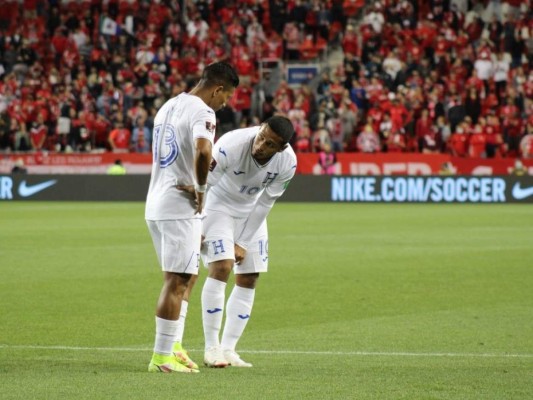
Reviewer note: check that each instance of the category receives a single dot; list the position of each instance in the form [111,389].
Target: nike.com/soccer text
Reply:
[419,189]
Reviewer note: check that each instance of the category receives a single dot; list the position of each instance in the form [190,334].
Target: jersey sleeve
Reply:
[204,123]
[278,186]
[219,163]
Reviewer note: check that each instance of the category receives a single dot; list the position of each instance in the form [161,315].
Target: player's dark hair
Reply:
[220,73]
[281,126]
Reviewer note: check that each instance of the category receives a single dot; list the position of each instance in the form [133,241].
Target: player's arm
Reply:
[219,163]
[202,160]
[262,207]
[255,219]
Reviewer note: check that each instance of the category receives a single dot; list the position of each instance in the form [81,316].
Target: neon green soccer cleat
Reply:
[182,357]
[167,364]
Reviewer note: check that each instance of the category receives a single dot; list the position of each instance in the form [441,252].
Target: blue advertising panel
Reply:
[302,188]
[301,74]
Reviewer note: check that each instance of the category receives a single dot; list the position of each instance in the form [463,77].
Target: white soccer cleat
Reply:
[235,360]
[214,358]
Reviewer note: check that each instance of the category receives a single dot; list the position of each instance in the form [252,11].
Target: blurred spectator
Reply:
[444,131]
[483,66]
[510,116]
[456,112]
[395,142]
[458,143]
[446,169]
[327,160]
[303,139]
[423,127]
[293,40]
[141,138]
[119,138]
[117,168]
[502,67]
[19,167]
[473,105]
[495,146]
[477,143]
[368,140]
[526,144]
[38,133]
[431,141]
[519,169]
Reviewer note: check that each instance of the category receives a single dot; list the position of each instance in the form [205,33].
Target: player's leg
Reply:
[180,353]
[241,300]
[238,312]
[213,299]
[178,257]
[219,254]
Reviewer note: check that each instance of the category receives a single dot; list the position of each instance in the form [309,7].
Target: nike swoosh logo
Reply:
[266,258]
[27,191]
[238,172]
[244,316]
[214,310]
[222,152]
[521,193]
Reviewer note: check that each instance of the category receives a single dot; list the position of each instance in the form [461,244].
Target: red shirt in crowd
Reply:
[242,98]
[396,142]
[120,138]
[422,127]
[38,136]
[458,144]
[477,144]
[399,116]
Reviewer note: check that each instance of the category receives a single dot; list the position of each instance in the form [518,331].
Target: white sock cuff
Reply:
[184,308]
[214,285]
[166,326]
[244,293]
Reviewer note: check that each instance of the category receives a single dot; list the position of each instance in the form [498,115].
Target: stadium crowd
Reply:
[431,76]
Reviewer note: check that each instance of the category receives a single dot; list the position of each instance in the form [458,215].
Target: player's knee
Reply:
[220,270]
[248,281]
[176,282]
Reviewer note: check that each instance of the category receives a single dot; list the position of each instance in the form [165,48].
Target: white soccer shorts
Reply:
[177,244]
[220,231]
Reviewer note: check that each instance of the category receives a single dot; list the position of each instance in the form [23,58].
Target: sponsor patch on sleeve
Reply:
[210,126]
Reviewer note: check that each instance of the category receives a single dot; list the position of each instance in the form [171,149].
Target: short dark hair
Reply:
[281,126]
[220,73]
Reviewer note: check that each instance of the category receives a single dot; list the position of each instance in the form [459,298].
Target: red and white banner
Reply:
[57,163]
[408,164]
[347,164]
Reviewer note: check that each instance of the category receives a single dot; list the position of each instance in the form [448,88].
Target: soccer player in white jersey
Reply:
[251,168]
[183,135]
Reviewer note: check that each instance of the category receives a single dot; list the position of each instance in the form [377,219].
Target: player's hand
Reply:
[199,202]
[198,197]
[186,188]
[240,253]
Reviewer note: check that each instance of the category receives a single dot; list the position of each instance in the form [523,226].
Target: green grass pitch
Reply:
[361,302]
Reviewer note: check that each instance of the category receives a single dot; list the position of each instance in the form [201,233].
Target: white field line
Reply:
[319,353]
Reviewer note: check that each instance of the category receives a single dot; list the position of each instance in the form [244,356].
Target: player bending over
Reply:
[250,170]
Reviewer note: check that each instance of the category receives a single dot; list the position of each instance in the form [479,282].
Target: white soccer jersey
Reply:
[240,186]
[177,124]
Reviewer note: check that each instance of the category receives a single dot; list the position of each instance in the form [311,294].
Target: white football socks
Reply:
[181,321]
[213,296]
[165,332]
[238,311]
